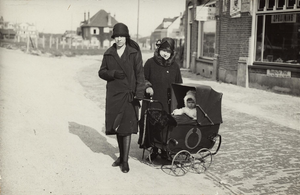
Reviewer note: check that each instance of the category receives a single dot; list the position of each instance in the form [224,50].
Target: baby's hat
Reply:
[190,94]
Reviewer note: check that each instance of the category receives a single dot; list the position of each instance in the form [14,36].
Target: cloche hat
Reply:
[120,30]
[166,43]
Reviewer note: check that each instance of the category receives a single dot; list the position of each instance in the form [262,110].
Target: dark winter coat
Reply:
[160,74]
[122,95]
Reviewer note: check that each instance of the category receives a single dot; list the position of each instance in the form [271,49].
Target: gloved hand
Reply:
[150,91]
[119,74]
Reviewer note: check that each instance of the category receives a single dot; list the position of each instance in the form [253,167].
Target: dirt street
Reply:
[53,142]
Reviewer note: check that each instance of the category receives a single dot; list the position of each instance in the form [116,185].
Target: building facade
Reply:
[161,31]
[25,30]
[97,29]
[251,43]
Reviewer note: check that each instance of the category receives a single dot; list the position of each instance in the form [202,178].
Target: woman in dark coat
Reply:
[122,68]
[160,72]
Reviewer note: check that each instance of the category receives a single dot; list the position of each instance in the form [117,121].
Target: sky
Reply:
[57,16]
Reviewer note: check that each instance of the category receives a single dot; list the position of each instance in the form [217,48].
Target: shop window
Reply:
[278,31]
[280,4]
[207,33]
[291,3]
[209,38]
[278,38]
[261,4]
[271,4]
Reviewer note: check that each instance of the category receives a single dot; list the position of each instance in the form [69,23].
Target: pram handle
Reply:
[152,101]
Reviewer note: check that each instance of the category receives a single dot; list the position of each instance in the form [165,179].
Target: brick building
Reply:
[98,28]
[245,42]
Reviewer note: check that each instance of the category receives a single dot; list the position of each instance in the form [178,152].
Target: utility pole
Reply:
[138,15]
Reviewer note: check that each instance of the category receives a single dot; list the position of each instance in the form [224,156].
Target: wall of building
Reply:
[258,79]
[233,38]
[192,44]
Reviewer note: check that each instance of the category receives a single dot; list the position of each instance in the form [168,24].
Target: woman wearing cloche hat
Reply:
[160,72]
[122,68]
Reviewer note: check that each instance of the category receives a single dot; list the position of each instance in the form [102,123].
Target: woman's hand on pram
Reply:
[150,91]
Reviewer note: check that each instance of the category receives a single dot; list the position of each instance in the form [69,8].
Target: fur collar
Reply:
[161,61]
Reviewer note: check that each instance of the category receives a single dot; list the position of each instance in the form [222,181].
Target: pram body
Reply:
[188,143]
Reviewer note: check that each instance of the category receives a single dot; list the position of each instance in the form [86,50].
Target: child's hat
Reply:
[190,94]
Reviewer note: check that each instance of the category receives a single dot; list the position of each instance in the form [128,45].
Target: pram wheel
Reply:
[181,163]
[202,160]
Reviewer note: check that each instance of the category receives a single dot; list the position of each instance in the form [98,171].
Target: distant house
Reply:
[26,29]
[7,29]
[98,28]
[170,27]
[161,31]
[7,33]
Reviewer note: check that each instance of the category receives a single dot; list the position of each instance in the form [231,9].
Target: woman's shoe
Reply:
[117,162]
[125,167]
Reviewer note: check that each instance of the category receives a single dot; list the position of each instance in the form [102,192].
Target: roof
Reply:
[166,20]
[100,19]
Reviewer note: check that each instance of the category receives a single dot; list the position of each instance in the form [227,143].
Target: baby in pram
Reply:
[190,106]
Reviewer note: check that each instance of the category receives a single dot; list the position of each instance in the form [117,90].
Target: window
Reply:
[106,30]
[278,32]
[94,31]
[209,37]
[207,31]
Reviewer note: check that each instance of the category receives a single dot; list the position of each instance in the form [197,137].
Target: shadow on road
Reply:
[92,139]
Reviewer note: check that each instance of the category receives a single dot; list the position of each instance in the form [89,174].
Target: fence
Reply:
[58,46]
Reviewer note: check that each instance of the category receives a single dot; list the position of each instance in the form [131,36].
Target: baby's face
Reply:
[191,104]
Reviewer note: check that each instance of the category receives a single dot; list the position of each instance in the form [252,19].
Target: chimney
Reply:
[88,17]
[84,16]
[108,19]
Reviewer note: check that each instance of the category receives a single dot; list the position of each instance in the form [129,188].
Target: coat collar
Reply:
[123,60]
[113,50]
[161,61]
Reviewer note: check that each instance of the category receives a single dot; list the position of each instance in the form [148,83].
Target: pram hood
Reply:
[208,102]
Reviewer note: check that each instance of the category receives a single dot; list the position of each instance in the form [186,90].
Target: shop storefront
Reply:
[253,43]
[275,60]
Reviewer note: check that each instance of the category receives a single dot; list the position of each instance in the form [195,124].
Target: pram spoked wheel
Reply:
[202,160]
[181,163]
